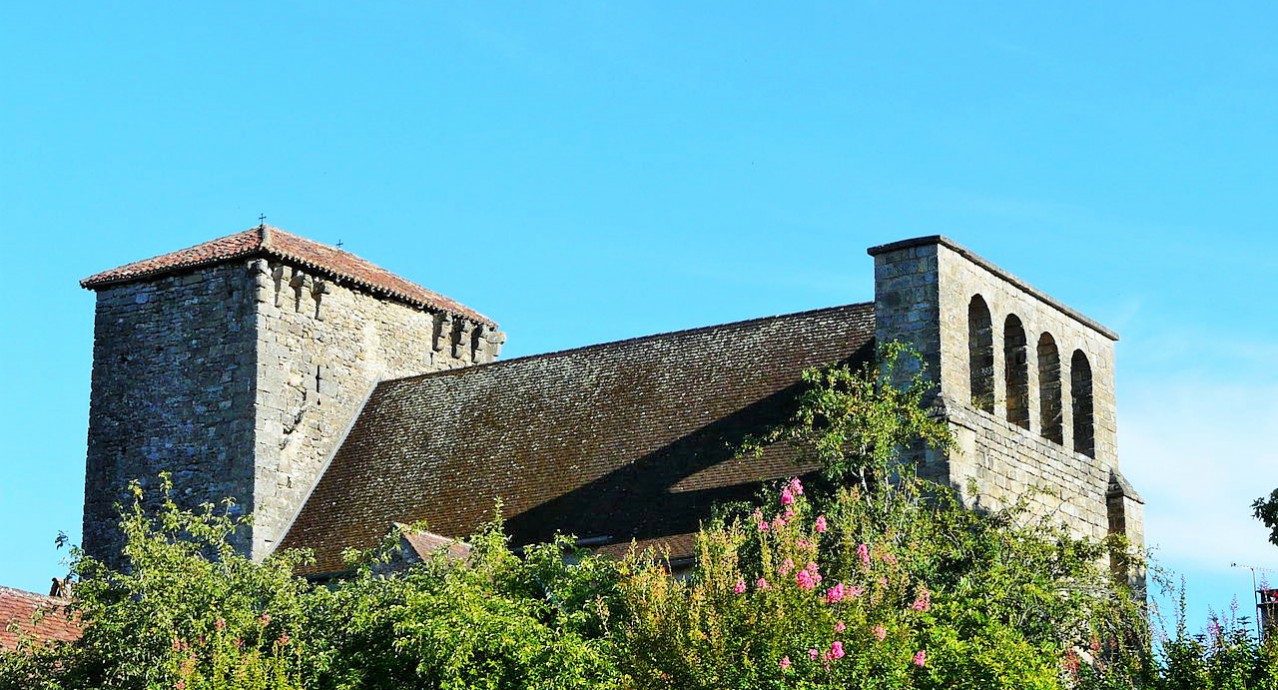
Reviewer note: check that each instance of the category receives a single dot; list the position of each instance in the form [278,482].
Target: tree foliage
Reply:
[867,577]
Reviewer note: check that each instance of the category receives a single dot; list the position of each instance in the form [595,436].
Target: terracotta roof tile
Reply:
[633,440]
[341,266]
[36,616]
[426,544]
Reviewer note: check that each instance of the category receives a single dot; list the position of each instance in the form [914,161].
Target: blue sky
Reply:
[585,172]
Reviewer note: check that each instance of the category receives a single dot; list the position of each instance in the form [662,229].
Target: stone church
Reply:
[333,399]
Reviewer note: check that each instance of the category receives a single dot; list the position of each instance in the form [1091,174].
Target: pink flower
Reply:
[813,654]
[283,640]
[920,658]
[239,642]
[740,587]
[863,552]
[784,663]
[821,524]
[762,584]
[265,619]
[219,624]
[803,543]
[808,579]
[787,498]
[788,514]
[840,627]
[180,685]
[923,602]
[889,558]
[796,487]
[835,593]
[880,632]
[786,566]
[836,650]
[778,523]
[854,592]
[763,525]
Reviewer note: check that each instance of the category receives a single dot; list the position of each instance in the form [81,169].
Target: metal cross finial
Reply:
[339,244]
[261,219]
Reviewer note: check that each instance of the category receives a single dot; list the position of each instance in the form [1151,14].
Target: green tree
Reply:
[912,589]
[1265,509]
[184,610]
[496,621]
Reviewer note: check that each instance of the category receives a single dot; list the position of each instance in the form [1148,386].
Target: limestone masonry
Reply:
[261,366]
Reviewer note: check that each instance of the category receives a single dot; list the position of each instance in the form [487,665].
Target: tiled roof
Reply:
[633,440]
[35,616]
[427,544]
[264,240]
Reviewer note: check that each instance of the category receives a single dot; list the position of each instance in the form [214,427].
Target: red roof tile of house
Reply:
[35,617]
[264,240]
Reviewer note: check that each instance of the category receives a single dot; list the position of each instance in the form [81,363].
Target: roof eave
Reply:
[96,283]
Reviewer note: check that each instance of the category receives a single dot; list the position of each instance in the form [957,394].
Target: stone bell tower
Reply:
[1025,382]
[237,365]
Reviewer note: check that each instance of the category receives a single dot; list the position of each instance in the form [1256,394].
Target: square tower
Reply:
[237,365]
[1025,382]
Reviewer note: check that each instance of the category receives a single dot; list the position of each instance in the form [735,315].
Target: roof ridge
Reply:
[30,595]
[624,341]
[267,240]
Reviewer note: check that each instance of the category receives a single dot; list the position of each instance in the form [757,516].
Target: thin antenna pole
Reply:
[1255,596]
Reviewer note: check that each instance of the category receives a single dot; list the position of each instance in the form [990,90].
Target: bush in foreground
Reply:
[860,576]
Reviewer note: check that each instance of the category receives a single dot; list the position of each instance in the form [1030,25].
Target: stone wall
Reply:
[173,390]
[240,379]
[1021,436]
[321,348]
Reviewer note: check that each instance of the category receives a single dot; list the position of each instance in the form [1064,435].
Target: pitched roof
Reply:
[629,440]
[34,616]
[425,544]
[264,240]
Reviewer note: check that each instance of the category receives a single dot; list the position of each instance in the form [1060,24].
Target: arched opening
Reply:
[1049,389]
[1016,362]
[980,353]
[1080,394]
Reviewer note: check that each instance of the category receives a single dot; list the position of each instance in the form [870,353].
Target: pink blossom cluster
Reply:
[808,578]
[839,592]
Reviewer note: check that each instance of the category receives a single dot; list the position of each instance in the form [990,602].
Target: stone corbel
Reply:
[443,332]
[461,346]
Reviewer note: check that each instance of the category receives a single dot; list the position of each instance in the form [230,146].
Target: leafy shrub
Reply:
[867,577]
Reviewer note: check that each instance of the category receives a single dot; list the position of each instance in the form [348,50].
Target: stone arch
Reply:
[1082,404]
[1016,371]
[1050,409]
[980,352]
